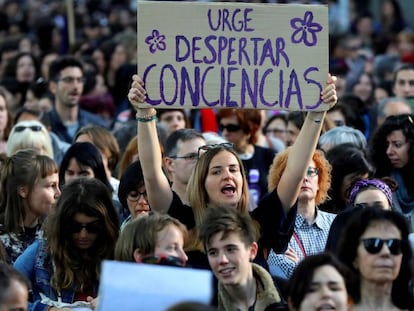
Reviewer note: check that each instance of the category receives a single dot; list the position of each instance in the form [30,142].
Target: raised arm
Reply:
[302,150]
[156,182]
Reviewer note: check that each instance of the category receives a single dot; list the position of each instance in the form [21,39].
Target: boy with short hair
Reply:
[229,238]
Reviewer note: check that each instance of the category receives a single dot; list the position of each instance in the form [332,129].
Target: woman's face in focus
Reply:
[326,292]
[224,181]
[382,267]
[397,149]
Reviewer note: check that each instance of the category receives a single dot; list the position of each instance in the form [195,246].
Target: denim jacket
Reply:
[36,264]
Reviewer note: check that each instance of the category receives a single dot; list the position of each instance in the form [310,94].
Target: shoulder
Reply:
[87,117]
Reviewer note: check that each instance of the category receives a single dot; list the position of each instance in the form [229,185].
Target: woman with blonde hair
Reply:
[29,134]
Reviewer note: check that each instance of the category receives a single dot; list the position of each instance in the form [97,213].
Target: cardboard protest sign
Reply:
[235,55]
[130,286]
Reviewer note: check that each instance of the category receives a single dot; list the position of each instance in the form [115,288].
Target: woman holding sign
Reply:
[218,179]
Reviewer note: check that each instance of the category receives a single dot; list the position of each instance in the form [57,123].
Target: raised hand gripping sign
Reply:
[233,55]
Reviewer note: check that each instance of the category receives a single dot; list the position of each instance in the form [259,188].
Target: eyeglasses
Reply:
[229,127]
[164,260]
[374,245]
[134,196]
[275,131]
[189,157]
[34,128]
[92,227]
[205,148]
[70,80]
[312,171]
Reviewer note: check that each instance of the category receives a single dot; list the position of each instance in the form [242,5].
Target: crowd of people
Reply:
[289,210]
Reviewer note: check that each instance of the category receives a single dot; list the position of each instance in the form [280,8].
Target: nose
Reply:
[325,291]
[223,258]
[83,233]
[142,199]
[57,193]
[183,255]
[389,149]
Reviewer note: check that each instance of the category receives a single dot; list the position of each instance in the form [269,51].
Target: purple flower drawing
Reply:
[305,29]
[156,41]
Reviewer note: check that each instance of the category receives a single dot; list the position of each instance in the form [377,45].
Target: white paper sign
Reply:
[133,287]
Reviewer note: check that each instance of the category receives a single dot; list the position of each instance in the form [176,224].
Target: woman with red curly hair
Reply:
[311,225]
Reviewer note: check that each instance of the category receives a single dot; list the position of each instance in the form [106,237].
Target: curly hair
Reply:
[91,197]
[279,165]
[379,144]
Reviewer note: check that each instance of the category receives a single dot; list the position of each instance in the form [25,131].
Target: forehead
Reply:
[405,74]
[396,135]
[178,113]
[327,273]
[220,239]
[382,229]
[278,123]
[83,218]
[371,196]
[224,157]
[190,146]
[71,71]
[230,119]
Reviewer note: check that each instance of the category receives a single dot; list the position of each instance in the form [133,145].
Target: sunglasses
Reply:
[205,148]
[312,171]
[92,227]
[164,260]
[34,128]
[374,245]
[229,127]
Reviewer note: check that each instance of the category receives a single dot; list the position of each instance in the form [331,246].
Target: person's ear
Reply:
[168,163]
[52,87]
[137,255]
[23,191]
[253,251]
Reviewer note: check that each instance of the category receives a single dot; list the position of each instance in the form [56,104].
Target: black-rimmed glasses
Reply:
[203,149]
[188,157]
[134,196]
[374,245]
[34,128]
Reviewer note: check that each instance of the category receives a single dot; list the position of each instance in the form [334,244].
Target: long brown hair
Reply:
[88,196]
[24,168]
